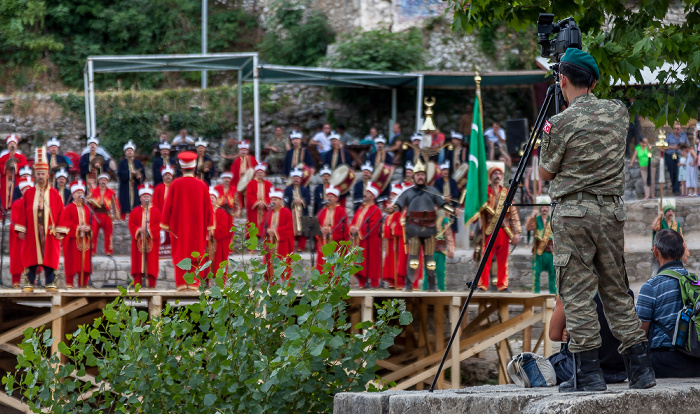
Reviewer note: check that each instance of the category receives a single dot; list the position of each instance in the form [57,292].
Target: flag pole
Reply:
[477,80]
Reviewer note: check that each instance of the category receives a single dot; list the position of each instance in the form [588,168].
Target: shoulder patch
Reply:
[547,127]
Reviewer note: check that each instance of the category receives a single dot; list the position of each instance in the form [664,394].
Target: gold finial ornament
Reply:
[419,167]
[661,142]
[428,124]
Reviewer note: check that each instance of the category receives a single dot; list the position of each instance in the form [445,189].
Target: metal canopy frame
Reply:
[250,69]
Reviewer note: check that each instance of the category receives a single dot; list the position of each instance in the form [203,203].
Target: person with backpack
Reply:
[660,300]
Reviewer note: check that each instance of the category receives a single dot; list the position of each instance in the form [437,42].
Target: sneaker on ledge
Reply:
[28,289]
[50,287]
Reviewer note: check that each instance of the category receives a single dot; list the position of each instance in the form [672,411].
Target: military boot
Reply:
[430,266]
[639,371]
[587,374]
[411,265]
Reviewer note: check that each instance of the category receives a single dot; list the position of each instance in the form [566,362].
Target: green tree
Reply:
[23,35]
[381,50]
[624,38]
[298,35]
[245,346]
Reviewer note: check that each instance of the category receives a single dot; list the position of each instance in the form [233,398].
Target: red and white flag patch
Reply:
[547,127]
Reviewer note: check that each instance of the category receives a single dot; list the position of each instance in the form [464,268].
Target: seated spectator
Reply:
[321,140]
[611,361]
[658,305]
[345,138]
[496,139]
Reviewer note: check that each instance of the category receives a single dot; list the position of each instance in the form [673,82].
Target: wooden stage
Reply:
[415,355]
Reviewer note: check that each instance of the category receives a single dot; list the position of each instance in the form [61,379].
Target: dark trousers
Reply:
[49,274]
[672,166]
[673,364]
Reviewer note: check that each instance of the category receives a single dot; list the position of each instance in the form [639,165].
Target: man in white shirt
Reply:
[322,139]
[496,138]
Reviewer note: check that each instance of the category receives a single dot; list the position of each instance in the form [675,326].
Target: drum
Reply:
[343,177]
[432,173]
[306,174]
[244,180]
[460,176]
[382,176]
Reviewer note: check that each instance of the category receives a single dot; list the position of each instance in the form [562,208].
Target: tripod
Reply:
[553,94]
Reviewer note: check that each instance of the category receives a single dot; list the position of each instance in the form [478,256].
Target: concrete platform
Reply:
[669,396]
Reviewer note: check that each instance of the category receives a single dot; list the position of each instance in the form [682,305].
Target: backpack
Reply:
[686,335]
[531,370]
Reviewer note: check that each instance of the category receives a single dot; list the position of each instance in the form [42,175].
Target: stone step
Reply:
[669,396]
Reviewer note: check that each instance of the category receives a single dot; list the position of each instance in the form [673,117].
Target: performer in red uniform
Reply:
[279,235]
[223,221]
[74,225]
[508,234]
[106,206]
[188,216]
[36,223]
[258,198]
[11,160]
[162,189]
[16,263]
[390,270]
[228,196]
[145,220]
[334,225]
[240,166]
[365,231]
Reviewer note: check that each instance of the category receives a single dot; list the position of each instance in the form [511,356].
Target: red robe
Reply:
[223,236]
[8,182]
[228,198]
[108,202]
[391,252]
[257,191]
[136,221]
[280,221]
[368,237]
[16,264]
[238,168]
[76,248]
[340,233]
[159,193]
[187,215]
[32,252]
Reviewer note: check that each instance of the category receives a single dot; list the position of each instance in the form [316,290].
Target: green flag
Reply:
[477,180]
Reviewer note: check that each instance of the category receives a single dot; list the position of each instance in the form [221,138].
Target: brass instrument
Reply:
[204,168]
[11,166]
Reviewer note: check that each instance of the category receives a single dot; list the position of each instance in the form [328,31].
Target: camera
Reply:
[567,35]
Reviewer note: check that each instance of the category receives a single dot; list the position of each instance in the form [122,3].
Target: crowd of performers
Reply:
[406,229]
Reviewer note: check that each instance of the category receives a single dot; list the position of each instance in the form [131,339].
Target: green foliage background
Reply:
[246,346]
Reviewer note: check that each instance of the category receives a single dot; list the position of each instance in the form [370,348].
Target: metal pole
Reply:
[240,104]
[87,104]
[393,112]
[256,107]
[204,40]
[419,101]
[91,91]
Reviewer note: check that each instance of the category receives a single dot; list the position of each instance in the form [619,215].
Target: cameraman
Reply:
[582,154]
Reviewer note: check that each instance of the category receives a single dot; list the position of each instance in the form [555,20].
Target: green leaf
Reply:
[185,264]
[209,400]
[318,348]
[63,348]
[189,278]
[292,333]
[405,318]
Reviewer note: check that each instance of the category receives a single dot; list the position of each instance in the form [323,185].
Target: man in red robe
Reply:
[227,195]
[258,198]
[36,223]
[16,264]
[365,231]
[390,270]
[240,166]
[334,225]
[162,189]
[223,221]
[74,226]
[106,205]
[279,235]
[144,228]
[188,216]
[11,160]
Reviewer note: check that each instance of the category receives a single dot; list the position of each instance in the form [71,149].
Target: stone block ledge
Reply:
[669,396]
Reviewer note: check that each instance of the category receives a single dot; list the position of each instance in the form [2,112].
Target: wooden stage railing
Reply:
[415,356]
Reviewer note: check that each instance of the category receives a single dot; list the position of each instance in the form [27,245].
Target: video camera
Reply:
[568,35]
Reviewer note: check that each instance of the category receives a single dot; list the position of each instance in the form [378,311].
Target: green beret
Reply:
[582,60]
[668,207]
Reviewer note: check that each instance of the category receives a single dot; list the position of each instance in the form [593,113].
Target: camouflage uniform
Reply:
[227,148]
[584,146]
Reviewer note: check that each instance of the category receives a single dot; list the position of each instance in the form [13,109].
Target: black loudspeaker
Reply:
[516,134]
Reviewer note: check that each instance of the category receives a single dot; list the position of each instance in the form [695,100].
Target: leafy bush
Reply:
[297,36]
[380,50]
[243,347]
